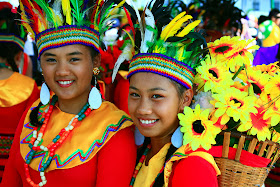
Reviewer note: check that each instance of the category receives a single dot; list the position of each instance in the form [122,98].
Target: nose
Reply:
[144,107]
[62,68]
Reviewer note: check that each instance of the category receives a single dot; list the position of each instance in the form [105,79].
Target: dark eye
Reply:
[74,59]
[156,96]
[51,60]
[134,95]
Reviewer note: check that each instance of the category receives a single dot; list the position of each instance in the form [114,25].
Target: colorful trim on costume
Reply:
[78,153]
[12,39]
[67,35]
[162,65]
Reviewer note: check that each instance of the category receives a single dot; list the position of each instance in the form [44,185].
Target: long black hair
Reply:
[34,113]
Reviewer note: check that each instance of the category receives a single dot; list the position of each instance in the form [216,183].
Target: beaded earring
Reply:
[95,99]
[138,137]
[45,94]
[177,138]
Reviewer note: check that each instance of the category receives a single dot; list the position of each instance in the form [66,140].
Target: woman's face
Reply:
[68,71]
[153,104]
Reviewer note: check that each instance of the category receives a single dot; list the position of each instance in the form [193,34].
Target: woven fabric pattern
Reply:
[67,35]
[12,39]
[162,65]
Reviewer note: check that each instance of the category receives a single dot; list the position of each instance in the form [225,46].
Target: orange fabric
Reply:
[16,89]
[97,126]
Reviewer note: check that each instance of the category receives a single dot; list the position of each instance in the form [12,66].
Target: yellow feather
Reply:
[96,15]
[174,29]
[180,53]
[25,21]
[116,7]
[132,41]
[167,28]
[188,28]
[66,7]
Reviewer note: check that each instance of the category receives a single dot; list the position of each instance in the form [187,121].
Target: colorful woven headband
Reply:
[12,39]
[67,35]
[162,65]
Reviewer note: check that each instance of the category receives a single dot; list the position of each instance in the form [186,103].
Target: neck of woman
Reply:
[156,144]
[72,106]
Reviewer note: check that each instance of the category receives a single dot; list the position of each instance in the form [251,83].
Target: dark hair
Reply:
[262,19]
[8,51]
[34,113]
[273,13]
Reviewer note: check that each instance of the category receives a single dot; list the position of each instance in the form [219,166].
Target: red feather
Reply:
[32,17]
[130,22]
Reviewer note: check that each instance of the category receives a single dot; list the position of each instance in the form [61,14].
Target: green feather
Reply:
[47,10]
[77,4]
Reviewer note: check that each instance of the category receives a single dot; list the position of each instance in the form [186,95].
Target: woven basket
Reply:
[235,174]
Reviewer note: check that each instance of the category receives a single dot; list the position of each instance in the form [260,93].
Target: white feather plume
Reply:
[127,54]
[149,35]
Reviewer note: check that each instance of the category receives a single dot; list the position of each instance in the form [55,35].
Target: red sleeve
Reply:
[116,160]
[11,176]
[194,171]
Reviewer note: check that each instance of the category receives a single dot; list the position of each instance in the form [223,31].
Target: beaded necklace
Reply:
[139,165]
[36,140]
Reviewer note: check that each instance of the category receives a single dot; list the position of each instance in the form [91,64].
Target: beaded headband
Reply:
[12,39]
[162,65]
[67,35]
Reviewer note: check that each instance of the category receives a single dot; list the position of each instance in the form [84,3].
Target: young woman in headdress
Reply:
[73,138]
[17,92]
[161,77]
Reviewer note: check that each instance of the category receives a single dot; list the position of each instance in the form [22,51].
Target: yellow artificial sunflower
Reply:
[270,69]
[222,47]
[214,75]
[256,80]
[198,130]
[272,112]
[257,125]
[234,103]
[275,136]
[273,88]
[241,55]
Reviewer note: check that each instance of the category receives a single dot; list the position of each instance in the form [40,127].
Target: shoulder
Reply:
[111,114]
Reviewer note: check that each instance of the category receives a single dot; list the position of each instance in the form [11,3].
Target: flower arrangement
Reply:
[232,95]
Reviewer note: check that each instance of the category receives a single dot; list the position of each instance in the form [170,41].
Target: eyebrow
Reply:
[75,53]
[69,54]
[152,89]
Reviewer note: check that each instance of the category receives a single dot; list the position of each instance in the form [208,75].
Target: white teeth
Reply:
[147,121]
[65,82]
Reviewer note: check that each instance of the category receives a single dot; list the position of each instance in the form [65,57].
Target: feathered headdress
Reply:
[173,51]
[10,29]
[67,22]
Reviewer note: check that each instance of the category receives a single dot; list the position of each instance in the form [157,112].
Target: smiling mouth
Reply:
[147,123]
[65,83]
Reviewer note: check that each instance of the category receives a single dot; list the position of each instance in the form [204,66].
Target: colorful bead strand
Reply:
[139,165]
[36,140]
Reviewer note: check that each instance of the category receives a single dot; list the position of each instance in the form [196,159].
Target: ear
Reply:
[18,57]
[187,99]
[97,60]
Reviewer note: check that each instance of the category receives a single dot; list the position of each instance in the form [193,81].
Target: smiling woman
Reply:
[161,79]
[68,137]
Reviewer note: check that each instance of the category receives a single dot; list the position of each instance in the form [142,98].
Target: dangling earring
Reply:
[45,94]
[94,98]
[138,137]
[177,138]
